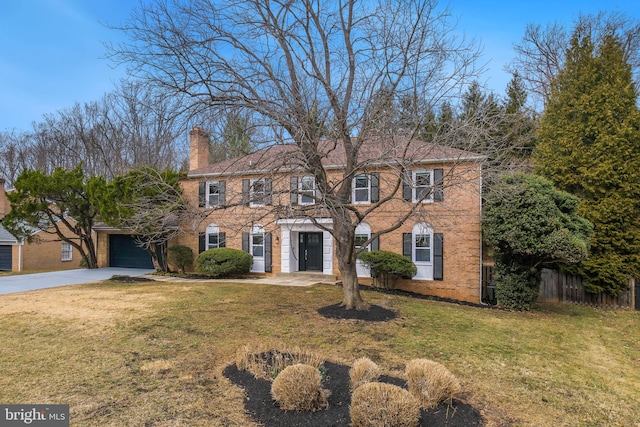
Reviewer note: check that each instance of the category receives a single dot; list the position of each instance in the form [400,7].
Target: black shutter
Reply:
[222,240]
[245,242]
[267,252]
[407,190]
[407,245]
[294,190]
[222,188]
[245,192]
[202,244]
[267,191]
[438,257]
[375,244]
[375,187]
[438,185]
[202,196]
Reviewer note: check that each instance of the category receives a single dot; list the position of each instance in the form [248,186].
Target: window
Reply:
[362,189]
[257,245]
[426,249]
[215,239]
[213,193]
[422,247]
[307,190]
[67,251]
[256,192]
[360,240]
[423,184]
[366,188]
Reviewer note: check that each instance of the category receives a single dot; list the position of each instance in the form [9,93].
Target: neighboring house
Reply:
[267,201]
[44,253]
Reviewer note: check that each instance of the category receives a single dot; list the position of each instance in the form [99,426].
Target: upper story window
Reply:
[423,186]
[212,194]
[67,251]
[303,190]
[366,188]
[256,192]
[362,189]
[307,190]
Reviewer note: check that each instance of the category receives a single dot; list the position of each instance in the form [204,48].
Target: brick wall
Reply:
[457,217]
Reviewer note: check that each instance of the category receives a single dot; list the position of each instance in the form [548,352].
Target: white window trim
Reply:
[252,193]
[302,191]
[425,268]
[212,229]
[208,193]
[368,189]
[414,185]
[67,252]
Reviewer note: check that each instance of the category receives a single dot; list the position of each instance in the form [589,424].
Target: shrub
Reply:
[517,287]
[430,382]
[387,267]
[299,388]
[224,262]
[266,363]
[181,256]
[382,405]
[363,371]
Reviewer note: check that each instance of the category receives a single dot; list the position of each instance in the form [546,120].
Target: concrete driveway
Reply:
[30,282]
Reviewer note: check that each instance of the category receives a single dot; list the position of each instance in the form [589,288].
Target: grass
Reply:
[153,353]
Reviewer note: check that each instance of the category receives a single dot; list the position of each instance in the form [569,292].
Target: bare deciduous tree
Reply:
[541,53]
[305,68]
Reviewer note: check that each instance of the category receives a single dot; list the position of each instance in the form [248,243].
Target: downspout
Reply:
[20,256]
[481,245]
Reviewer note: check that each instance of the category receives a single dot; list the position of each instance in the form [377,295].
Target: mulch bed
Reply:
[260,405]
[264,410]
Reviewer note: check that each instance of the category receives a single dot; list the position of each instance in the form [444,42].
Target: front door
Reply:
[310,252]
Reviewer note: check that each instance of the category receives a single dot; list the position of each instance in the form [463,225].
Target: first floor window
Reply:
[422,247]
[257,245]
[360,240]
[67,251]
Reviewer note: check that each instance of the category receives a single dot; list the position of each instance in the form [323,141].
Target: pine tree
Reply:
[589,145]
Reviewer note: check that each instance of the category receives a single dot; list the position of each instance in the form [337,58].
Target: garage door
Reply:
[124,253]
[5,257]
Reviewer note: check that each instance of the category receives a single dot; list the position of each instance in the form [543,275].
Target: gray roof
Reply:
[6,237]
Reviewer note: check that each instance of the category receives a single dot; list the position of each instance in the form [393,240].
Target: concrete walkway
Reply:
[30,282]
[283,279]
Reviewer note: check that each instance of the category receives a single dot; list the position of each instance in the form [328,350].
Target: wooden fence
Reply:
[560,287]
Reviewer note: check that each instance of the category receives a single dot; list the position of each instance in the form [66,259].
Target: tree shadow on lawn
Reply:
[264,410]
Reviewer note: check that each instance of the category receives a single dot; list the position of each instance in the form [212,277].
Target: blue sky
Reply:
[52,53]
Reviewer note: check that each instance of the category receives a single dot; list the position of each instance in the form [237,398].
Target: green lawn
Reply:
[153,353]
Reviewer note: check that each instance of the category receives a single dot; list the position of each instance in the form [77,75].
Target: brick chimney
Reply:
[198,148]
[5,206]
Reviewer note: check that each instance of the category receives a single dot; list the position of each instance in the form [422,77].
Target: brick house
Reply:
[266,203]
[44,253]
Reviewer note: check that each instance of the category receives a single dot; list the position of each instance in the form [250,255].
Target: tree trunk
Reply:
[347,265]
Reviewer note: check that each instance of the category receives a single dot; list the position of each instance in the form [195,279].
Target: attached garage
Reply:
[125,253]
[6,257]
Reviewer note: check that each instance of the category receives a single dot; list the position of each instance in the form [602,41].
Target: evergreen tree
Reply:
[589,145]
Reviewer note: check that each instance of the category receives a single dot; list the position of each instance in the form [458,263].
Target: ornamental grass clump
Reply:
[299,388]
[267,361]
[430,382]
[383,405]
[363,371]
